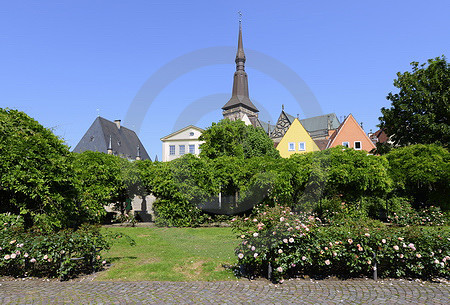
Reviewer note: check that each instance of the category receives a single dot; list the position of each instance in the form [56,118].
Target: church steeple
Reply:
[240,55]
[240,103]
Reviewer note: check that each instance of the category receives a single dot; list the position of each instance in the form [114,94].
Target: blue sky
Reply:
[63,62]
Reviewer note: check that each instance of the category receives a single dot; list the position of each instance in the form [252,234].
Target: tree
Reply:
[235,139]
[420,112]
[422,172]
[36,179]
[102,179]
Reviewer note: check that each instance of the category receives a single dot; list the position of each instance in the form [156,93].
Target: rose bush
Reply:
[293,244]
[62,254]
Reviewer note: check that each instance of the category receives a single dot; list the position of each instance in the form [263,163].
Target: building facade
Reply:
[181,142]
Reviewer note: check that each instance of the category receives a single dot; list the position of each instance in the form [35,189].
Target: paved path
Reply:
[232,292]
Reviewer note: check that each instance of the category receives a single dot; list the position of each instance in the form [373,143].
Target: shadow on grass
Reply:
[118,258]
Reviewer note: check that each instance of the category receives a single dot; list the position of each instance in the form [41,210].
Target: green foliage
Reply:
[299,245]
[420,112]
[35,173]
[235,139]
[62,254]
[181,186]
[422,172]
[102,179]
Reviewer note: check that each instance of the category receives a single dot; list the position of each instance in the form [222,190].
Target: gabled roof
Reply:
[350,121]
[180,131]
[124,141]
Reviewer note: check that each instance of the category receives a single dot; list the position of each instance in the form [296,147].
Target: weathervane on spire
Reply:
[240,16]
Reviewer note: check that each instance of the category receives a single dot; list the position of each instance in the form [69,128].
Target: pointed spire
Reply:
[240,96]
[240,55]
[156,158]
[110,151]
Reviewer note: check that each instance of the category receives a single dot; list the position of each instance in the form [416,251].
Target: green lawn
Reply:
[171,254]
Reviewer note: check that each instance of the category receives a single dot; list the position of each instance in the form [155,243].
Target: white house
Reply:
[183,141]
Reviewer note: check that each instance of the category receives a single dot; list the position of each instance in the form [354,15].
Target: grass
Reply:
[171,254]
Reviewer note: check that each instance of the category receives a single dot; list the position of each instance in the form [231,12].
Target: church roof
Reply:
[102,133]
[326,121]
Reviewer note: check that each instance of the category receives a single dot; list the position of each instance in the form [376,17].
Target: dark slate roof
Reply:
[266,126]
[291,118]
[124,141]
[321,122]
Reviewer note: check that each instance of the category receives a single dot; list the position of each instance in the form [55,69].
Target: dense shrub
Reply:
[62,254]
[297,245]
[422,172]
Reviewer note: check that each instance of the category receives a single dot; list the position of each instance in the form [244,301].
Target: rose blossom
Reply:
[13,255]
[418,255]
[282,218]
[255,255]
[45,256]
[7,256]
[255,234]
[396,248]
[253,248]
[327,262]
[241,255]
[285,240]
[25,255]
[291,240]
[350,241]
[280,269]
[280,251]
[383,241]
[303,258]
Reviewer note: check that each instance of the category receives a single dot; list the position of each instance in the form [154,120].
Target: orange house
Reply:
[350,134]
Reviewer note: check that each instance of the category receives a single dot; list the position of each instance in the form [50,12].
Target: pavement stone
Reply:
[297,291]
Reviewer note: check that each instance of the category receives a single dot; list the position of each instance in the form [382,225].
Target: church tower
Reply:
[240,105]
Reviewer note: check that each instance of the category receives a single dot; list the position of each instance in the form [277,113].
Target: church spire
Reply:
[240,96]
[240,55]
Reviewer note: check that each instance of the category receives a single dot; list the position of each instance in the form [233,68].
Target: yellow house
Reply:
[296,140]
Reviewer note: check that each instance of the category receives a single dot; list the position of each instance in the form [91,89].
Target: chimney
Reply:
[117,122]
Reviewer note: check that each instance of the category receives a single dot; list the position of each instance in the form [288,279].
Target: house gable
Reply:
[351,132]
[296,140]
[186,133]
[284,122]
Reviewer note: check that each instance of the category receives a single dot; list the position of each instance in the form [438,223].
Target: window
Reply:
[302,146]
[172,150]
[291,146]
[358,145]
[191,148]
[345,144]
[191,134]
[182,149]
